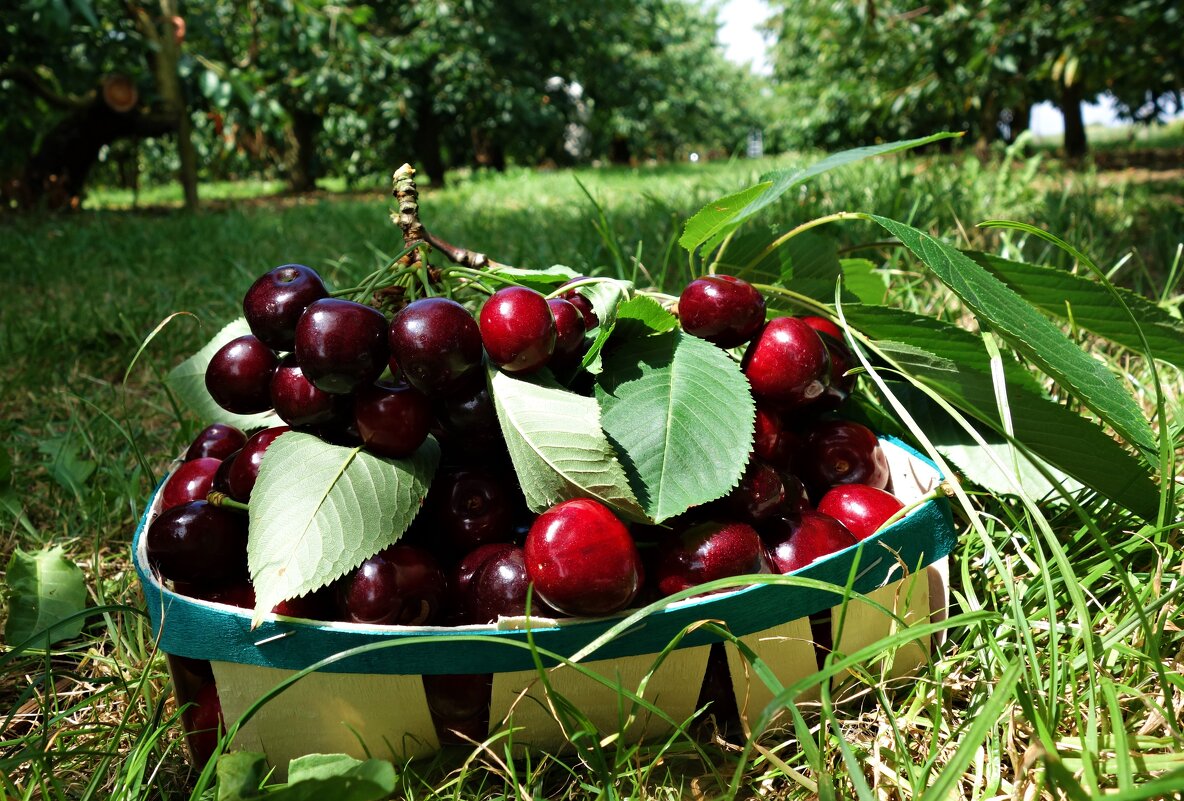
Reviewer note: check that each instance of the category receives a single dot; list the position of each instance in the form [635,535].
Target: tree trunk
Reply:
[1070,103]
[988,128]
[56,174]
[487,151]
[426,145]
[168,83]
[619,151]
[1021,120]
[302,138]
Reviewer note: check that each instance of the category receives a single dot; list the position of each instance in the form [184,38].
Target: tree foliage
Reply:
[307,88]
[853,72]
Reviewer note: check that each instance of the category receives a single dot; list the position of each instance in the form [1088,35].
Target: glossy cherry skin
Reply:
[460,579]
[797,540]
[469,414]
[772,441]
[392,421]
[297,401]
[584,307]
[317,605]
[437,344]
[471,507]
[843,452]
[341,345]
[862,509]
[517,329]
[192,481]
[765,492]
[276,300]
[199,543]
[238,377]
[242,474]
[499,587]
[569,334]
[216,441]
[787,365]
[582,559]
[401,585]
[725,310]
[841,361]
[709,551]
[203,723]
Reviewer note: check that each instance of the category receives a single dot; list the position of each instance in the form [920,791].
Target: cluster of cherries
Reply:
[339,369]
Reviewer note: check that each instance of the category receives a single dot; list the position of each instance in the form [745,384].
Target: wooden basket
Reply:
[369,694]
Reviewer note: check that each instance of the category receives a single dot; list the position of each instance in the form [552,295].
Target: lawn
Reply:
[1068,679]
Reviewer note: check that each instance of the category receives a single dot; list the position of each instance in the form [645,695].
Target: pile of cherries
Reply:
[341,370]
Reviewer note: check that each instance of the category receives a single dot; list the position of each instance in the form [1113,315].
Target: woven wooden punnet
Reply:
[372,697]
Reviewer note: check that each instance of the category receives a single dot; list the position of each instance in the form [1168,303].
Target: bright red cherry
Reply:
[797,540]
[242,474]
[710,551]
[216,441]
[191,481]
[199,543]
[518,329]
[401,585]
[843,452]
[569,333]
[297,401]
[824,326]
[238,377]
[392,421]
[862,509]
[724,310]
[276,300]
[787,364]
[341,345]
[582,559]
[437,344]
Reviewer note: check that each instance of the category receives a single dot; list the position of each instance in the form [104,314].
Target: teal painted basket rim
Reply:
[199,629]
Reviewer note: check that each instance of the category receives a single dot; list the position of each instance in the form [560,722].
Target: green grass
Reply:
[1063,674]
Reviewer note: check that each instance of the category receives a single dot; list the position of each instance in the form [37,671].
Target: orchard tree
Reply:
[76,78]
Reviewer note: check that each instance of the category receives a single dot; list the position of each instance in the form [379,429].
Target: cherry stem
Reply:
[797,298]
[222,499]
[941,489]
[781,240]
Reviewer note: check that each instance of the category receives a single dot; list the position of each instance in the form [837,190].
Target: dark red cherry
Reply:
[437,344]
[843,452]
[569,334]
[199,543]
[787,364]
[392,421]
[401,585]
[216,441]
[276,300]
[862,509]
[709,551]
[459,704]
[317,605]
[192,481]
[582,559]
[797,540]
[518,329]
[297,402]
[772,441]
[203,723]
[469,414]
[460,578]
[841,361]
[760,493]
[584,307]
[242,474]
[238,377]
[498,589]
[472,507]
[722,309]
[341,345]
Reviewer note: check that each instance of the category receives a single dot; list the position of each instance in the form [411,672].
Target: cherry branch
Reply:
[407,218]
